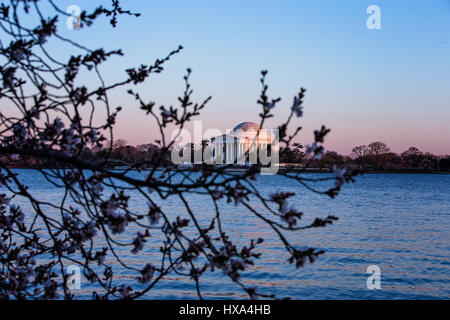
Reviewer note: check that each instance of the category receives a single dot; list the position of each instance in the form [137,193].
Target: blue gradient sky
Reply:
[391,84]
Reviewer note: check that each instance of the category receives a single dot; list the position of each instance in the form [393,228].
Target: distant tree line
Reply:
[374,156]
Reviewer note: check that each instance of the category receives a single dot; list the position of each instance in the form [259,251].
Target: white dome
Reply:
[245,126]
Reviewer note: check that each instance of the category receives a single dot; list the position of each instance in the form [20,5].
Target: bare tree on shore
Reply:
[378,149]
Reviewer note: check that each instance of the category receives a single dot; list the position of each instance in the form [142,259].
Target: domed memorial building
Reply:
[240,144]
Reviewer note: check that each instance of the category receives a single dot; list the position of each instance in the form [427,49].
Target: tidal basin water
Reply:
[399,222]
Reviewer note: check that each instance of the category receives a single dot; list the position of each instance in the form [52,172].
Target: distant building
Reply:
[237,146]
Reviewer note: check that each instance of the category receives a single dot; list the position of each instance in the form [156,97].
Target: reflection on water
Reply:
[398,222]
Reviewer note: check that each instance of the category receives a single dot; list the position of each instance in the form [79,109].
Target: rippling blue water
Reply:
[398,222]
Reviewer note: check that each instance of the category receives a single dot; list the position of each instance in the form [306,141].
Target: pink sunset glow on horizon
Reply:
[341,139]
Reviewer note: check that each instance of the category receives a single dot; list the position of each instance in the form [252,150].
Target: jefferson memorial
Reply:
[240,143]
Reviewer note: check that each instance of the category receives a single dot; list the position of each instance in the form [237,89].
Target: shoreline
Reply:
[292,169]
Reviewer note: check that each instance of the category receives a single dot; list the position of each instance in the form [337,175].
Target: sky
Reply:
[390,84]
